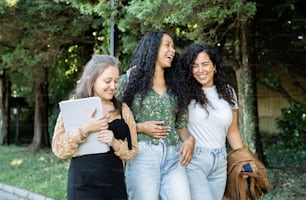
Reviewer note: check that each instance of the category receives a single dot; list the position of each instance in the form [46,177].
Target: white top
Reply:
[210,129]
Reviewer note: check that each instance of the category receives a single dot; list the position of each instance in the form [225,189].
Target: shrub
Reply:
[292,126]
[287,148]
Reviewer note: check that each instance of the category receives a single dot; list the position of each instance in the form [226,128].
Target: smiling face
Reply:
[203,70]
[166,52]
[106,83]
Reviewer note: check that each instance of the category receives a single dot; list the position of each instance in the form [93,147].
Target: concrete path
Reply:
[8,192]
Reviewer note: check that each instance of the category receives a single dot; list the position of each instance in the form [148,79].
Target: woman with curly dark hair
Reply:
[152,91]
[213,118]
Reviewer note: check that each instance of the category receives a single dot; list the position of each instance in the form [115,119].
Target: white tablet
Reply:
[75,113]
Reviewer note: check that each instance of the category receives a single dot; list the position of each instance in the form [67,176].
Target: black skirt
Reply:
[96,177]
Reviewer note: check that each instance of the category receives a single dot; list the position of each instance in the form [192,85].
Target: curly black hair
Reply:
[143,68]
[191,87]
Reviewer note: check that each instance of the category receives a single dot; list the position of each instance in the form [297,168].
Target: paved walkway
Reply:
[8,192]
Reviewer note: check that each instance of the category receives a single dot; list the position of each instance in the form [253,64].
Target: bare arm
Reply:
[233,135]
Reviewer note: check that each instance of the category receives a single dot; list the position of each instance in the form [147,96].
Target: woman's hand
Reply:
[187,147]
[153,128]
[96,124]
[107,137]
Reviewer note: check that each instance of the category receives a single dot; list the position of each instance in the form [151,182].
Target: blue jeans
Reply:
[156,171]
[207,173]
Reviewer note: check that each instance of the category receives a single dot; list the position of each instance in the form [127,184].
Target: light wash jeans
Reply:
[207,173]
[156,171]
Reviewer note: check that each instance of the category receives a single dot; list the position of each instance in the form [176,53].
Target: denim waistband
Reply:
[212,150]
[153,142]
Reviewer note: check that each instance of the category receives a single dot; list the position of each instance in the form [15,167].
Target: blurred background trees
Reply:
[44,45]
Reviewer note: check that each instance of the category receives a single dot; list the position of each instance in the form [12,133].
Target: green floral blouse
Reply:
[156,107]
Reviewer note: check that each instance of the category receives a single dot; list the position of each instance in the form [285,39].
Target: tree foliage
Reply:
[280,44]
[292,126]
[53,39]
[42,40]
[40,32]
[36,42]
[195,20]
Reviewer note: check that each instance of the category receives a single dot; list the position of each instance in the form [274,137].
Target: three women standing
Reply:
[158,104]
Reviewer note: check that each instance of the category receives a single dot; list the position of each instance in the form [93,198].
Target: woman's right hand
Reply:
[153,128]
[96,124]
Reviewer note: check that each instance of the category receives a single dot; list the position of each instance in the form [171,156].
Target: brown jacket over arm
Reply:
[245,185]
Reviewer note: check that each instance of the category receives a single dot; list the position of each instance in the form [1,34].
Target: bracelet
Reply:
[84,135]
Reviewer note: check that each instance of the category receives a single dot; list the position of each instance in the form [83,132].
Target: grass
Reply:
[42,172]
[287,183]
[286,170]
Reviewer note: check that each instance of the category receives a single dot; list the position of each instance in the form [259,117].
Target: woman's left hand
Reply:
[187,151]
[107,137]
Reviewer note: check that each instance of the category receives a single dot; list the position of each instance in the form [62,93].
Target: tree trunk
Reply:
[41,135]
[5,108]
[248,120]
